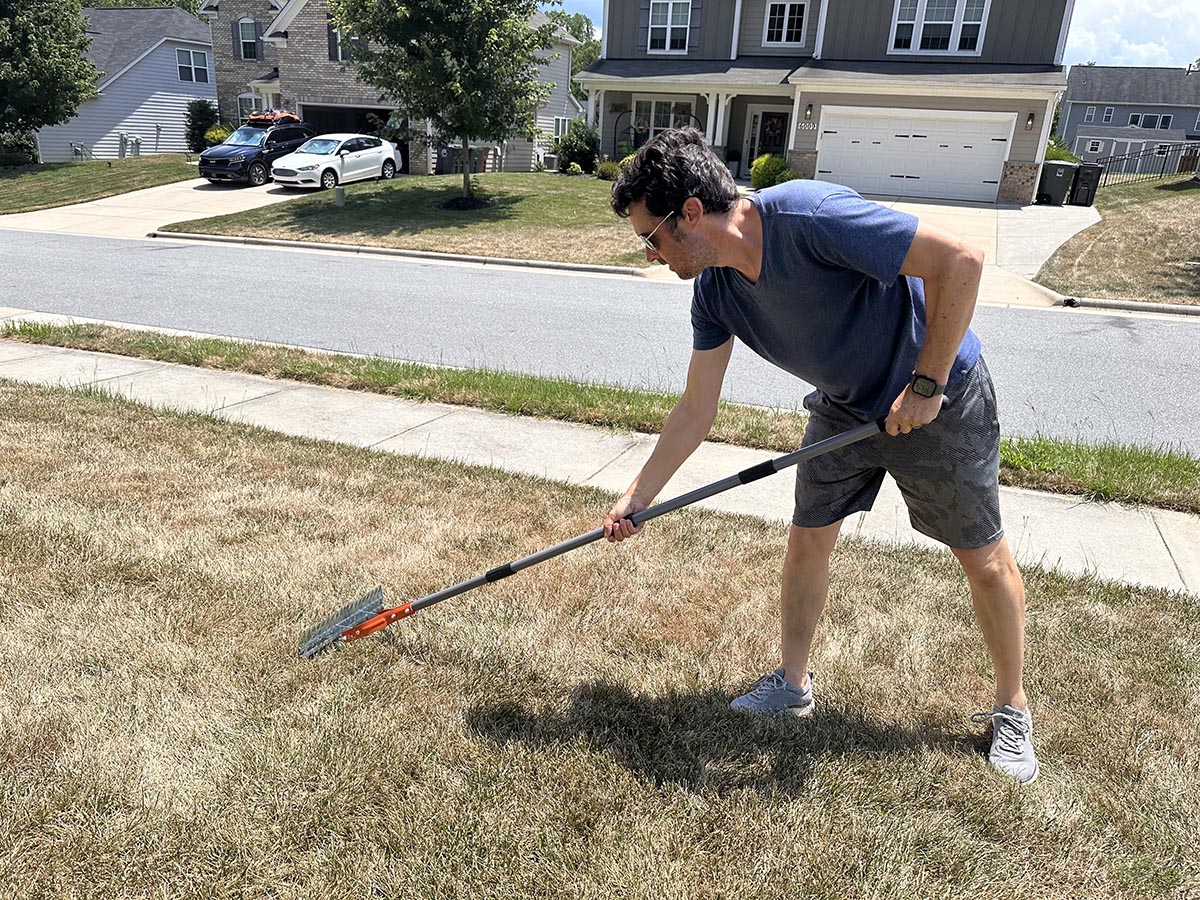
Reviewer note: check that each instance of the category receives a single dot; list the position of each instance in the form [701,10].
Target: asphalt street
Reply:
[1073,374]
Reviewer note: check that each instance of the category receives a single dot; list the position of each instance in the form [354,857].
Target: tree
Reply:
[43,73]
[201,116]
[579,27]
[191,6]
[468,67]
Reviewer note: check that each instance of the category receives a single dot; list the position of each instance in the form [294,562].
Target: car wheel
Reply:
[258,174]
[329,179]
[389,169]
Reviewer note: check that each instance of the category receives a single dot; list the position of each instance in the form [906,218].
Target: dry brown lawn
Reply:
[1146,247]
[562,733]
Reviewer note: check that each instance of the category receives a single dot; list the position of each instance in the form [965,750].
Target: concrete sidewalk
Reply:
[1140,546]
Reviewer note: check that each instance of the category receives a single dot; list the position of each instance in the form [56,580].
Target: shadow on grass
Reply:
[695,741]
[18,171]
[1175,187]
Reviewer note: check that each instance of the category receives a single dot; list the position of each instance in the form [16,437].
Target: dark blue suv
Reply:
[247,154]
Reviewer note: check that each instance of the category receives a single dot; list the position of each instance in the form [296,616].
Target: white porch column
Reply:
[600,119]
[591,109]
[711,100]
[791,144]
[723,101]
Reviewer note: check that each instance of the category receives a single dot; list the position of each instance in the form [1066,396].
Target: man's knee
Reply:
[811,545]
[990,566]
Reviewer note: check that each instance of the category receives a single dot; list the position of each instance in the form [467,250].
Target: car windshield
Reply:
[247,137]
[318,146]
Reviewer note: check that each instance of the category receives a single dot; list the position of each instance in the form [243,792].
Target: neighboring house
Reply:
[152,63]
[1120,110]
[925,98]
[287,54]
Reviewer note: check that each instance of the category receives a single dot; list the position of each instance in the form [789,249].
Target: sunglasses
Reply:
[646,238]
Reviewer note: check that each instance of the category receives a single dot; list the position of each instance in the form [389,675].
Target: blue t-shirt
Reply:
[830,305]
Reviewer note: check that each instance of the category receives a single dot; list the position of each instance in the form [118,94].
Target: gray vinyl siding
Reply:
[558,105]
[150,94]
[750,42]
[1071,119]
[1024,145]
[1018,31]
[628,30]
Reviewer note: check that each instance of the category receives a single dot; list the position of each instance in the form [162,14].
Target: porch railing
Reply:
[632,134]
[1156,163]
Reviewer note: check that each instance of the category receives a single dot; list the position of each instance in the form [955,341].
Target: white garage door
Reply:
[931,153]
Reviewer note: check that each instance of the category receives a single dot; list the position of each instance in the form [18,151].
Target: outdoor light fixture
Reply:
[808,112]
[1029,122]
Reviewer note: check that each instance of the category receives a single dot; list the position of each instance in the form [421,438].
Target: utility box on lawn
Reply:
[1087,181]
[1055,185]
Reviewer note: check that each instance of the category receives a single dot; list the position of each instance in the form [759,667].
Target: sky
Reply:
[1111,32]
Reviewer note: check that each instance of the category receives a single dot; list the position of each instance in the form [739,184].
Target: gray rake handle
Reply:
[368,615]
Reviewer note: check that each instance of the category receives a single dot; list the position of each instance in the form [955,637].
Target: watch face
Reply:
[923,386]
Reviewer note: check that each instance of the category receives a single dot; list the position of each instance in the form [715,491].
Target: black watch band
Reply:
[924,386]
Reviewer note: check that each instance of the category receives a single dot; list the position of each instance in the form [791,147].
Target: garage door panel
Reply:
[936,156]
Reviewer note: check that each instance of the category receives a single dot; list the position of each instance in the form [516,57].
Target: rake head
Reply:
[331,630]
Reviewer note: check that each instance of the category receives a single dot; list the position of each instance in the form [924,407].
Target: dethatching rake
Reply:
[369,613]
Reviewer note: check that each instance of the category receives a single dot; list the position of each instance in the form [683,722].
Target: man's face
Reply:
[675,242]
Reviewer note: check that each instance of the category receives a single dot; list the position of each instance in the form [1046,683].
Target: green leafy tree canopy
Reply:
[43,73]
[579,27]
[191,6]
[468,67]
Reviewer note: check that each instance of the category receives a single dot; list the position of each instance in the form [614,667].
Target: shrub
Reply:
[539,166]
[217,134]
[765,170]
[201,116]
[18,148]
[580,145]
[574,169]
[787,175]
[1058,151]
[608,170]
[627,161]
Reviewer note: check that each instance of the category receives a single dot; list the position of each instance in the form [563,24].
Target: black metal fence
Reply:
[1153,164]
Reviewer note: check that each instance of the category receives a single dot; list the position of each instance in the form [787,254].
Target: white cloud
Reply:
[1133,33]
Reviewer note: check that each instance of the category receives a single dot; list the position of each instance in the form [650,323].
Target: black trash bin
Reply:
[1087,180]
[1055,185]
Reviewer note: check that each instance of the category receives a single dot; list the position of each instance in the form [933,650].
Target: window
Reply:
[784,24]
[1135,119]
[247,104]
[939,26]
[193,65]
[561,126]
[654,115]
[1093,147]
[1089,114]
[342,46]
[669,20]
[1197,121]
[1161,149]
[1108,114]
[1165,122]
[1149,121]
[248,35]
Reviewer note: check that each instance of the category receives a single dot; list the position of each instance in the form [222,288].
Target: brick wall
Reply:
[308,75]
[234,73]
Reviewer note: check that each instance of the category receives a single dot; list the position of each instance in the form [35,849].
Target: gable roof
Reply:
[1133,133]
[122,35]
[1134,84]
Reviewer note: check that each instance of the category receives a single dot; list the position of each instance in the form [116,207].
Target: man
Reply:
[873,308]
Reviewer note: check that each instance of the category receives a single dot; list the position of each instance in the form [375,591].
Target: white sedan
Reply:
[332,159]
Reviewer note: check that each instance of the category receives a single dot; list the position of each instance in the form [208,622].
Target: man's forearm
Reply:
[684,431]
[949,305]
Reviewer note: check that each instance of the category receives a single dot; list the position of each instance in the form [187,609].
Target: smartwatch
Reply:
[924,386]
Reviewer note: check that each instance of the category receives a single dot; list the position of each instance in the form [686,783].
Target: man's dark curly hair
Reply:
[667,170]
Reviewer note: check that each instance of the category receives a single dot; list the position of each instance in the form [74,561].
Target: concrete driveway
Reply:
[138,212]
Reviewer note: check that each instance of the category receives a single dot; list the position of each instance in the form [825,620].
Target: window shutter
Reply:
[333,43]
[237,40]
[258,43]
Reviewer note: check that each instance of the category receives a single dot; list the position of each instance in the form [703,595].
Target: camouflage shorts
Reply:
[948,471]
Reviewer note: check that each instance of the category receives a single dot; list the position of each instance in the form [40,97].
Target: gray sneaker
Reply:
[775,695]
[1012,742]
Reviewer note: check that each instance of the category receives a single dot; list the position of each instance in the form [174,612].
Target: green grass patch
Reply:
[1152,476]
[533,216]
[1144,248]
[564,733]
[28,188]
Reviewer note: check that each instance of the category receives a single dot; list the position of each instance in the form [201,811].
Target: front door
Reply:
[772,133]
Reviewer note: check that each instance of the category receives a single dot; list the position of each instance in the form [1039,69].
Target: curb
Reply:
[1176,309]
[412,254]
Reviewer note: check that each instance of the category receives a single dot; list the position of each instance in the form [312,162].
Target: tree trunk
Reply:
[466,164]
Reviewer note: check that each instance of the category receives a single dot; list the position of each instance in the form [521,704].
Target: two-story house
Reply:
[922,98]
[153,62]
[1121,110]
[287,54]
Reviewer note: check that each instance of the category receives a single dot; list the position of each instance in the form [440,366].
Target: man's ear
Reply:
[692,210]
